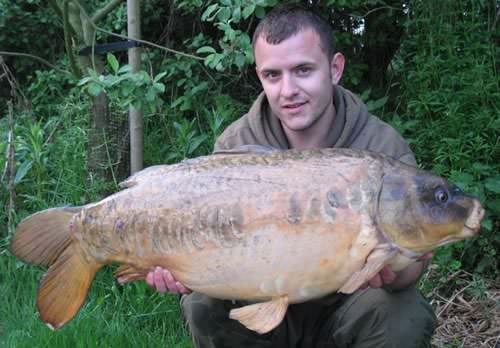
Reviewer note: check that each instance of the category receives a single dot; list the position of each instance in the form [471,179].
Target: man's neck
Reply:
[316,136]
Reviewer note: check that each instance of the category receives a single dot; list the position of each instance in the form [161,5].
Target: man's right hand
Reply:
[163,281]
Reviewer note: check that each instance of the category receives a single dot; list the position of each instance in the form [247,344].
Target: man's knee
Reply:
[203,313]
[210,325]
[376,316]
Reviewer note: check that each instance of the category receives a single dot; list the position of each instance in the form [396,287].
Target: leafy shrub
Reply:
[452,97]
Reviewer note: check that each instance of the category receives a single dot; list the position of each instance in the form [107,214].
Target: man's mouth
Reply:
[293,106]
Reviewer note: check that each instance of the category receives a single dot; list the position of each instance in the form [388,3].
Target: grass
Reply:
[132,315]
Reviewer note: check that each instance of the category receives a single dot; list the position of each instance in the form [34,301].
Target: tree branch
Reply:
[495,21]
[59,12]
[138,40]
[20,54]
[67,42]
[105,10]
[377,9]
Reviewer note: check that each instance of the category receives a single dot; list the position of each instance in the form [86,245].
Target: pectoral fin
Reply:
[261,317]
[377,259]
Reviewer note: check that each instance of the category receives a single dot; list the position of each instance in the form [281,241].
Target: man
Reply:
[303,106]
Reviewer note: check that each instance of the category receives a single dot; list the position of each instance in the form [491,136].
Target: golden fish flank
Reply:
[274,227]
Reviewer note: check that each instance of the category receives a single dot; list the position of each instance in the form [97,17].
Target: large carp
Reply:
[273,227]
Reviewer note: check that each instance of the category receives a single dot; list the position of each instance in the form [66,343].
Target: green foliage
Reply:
[452,96]
[137,89]
[20,22]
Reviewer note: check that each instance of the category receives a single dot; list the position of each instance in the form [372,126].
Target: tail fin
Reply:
[42,237]
[45,239]
[64,287]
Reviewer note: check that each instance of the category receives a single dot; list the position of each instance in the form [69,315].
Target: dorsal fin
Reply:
[246,149]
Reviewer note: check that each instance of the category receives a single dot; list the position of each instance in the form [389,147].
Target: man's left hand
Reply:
[406,277]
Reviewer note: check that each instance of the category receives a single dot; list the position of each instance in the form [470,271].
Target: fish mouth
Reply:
[473,222]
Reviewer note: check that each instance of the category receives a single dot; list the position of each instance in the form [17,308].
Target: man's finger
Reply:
[375,282]
[159,282]
[426,256]
[387,274]
[150,279]
[182,289]
[170,281]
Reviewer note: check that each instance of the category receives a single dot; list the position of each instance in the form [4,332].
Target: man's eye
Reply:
[303,70]
[271,75]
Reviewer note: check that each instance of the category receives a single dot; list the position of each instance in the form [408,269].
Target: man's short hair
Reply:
[286,20]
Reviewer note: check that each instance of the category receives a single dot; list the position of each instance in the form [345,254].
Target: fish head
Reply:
[419,211]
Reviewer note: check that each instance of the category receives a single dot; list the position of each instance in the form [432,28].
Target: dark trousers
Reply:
[368,318]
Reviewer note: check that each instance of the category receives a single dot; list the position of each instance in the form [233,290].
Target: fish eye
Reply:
[440,195]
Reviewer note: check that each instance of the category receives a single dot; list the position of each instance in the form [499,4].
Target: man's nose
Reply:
[289,86]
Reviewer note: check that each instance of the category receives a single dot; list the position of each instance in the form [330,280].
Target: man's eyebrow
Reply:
[302,65]
[268,70]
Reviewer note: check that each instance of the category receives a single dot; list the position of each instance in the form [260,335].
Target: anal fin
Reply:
[261,317]
[128,273]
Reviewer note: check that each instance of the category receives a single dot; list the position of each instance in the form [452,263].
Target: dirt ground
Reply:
[470,315]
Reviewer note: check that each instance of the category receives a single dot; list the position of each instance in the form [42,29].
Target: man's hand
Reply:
[406,277]
[163,281]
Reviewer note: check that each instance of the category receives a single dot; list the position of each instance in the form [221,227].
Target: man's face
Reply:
[297,78]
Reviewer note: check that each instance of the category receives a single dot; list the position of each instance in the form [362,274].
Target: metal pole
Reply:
[135,115]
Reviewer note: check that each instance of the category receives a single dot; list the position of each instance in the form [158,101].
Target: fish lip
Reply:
[475,230]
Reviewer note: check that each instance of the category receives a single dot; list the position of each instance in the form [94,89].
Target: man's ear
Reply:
[337,67]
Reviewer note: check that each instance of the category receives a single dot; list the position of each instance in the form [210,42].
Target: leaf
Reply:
[22,171]
[224,14]
[125,69]
[493,205]
[126,90]
[196,143]
[462,180]
[493,184]
[237,14]
[113,62]
[84,81]
[151,94]
[94,89]
[208,12]
[487,224]
[160,76]
[206,49]
[248,11]
[377,104]
[160,87]
[239,60]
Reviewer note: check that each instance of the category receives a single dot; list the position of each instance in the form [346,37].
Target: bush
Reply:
[451,94]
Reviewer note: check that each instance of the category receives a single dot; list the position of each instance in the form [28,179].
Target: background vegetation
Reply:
[429,68]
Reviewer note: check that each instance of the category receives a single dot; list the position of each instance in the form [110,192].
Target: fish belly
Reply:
[271,263]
